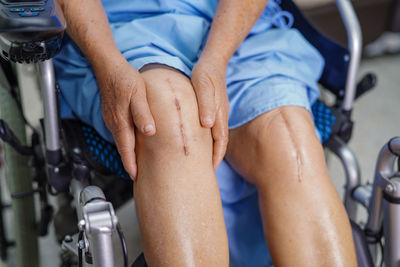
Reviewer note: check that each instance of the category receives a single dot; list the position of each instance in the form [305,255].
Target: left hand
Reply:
[208,80]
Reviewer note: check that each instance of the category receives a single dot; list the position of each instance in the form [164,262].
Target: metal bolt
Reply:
[389,188]
[346,57]
[76,150]
[115,220]
[81,225]
[56,169]
[68,239]
[81,244]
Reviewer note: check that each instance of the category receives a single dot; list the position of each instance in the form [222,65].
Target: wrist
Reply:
[105,62]
[217,58]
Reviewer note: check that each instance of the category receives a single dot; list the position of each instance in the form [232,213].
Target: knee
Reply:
[290,150]
[174,107]
[283,145]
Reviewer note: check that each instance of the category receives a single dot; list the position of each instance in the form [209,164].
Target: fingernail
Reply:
[207,121]
[149,128]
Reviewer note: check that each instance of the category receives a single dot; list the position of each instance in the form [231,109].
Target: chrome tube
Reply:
[354,36]
[76,188]
[384,169]
[352,171]
[48,88]
[98,222]
[362,194]
[391,226]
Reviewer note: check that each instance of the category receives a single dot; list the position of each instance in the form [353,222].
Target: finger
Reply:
[220,136]
[141,113]
[204,89]
[125,141]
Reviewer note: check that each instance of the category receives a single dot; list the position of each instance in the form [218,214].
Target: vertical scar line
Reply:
[299,159]
[185,146]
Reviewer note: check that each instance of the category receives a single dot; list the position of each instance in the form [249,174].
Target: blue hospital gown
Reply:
[274,66]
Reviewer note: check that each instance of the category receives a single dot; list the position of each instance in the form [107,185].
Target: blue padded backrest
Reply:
[324,120]
[103,152]
[336,56]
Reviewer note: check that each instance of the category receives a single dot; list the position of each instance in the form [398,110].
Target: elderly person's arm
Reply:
[122,88]
[232,23]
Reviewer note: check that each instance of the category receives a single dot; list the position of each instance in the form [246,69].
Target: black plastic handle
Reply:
[367,83]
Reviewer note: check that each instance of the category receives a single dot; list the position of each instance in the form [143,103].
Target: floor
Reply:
[376,117]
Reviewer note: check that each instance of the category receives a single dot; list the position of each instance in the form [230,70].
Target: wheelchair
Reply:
[69,159]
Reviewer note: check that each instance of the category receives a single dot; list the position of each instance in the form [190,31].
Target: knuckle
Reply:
[139,115]
[124,150]
[221,137]
[113,121]
[224,141]
[207,105]
[134,90]
[204,84]
[205,109]
[118,129]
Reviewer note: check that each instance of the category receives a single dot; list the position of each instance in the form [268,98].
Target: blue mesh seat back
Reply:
[336,56]
[102,156]
[324,120]
[84,146]
[103,152]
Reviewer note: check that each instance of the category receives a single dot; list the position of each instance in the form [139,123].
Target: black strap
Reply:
[7,69]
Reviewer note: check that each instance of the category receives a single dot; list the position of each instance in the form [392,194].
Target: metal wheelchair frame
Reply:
[96,216]
[97,220]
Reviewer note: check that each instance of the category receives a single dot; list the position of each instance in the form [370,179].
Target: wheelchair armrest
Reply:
[30,31]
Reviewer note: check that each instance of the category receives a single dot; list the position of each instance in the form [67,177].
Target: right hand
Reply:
[125,108]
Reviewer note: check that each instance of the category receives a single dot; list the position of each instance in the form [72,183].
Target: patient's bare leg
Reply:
[305,223]
[176,193]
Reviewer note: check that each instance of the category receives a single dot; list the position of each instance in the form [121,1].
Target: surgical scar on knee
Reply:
[299,160]
[182,129]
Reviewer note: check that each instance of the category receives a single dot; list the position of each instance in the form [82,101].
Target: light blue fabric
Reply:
[274,66]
